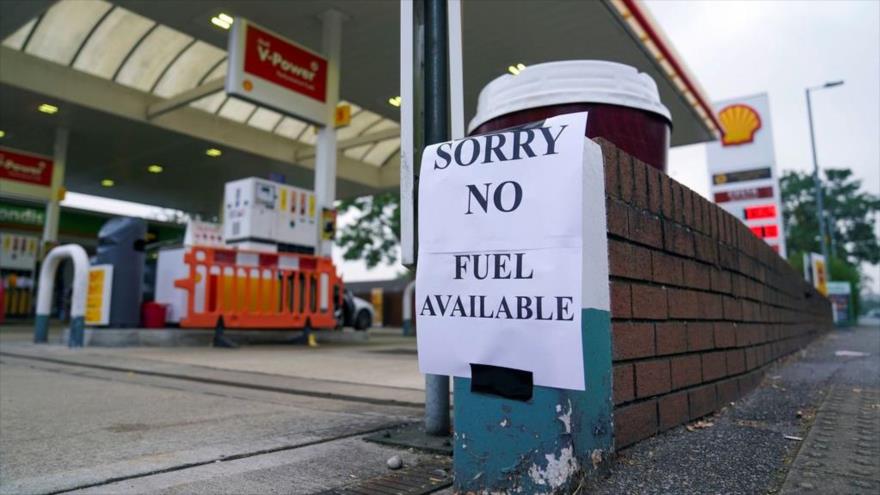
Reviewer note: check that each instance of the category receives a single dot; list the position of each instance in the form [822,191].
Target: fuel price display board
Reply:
[742,168]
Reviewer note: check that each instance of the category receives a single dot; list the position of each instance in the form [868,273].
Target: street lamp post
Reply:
[820,214]
[831,222]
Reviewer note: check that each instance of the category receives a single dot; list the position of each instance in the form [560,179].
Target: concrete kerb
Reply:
[177,337]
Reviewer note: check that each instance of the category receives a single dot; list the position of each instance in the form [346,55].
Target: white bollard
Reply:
[47,286]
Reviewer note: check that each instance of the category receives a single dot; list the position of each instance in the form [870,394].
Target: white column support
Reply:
[59,161]
[456,71]
[325,148]
[407,199]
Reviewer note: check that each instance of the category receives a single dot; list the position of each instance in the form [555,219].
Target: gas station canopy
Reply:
[110,66]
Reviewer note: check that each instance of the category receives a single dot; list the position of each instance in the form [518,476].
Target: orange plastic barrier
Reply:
[252,290]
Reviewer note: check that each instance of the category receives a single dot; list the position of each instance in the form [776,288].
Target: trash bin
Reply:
[623,104]
[153,314]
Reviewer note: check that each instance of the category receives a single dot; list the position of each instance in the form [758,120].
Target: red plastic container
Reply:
[153,314]
[623,105]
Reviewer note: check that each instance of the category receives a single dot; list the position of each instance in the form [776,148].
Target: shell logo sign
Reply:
[740,123]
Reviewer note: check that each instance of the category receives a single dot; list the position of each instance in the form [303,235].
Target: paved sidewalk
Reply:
[770,438]
[841,454]
[99,421]
[385,358]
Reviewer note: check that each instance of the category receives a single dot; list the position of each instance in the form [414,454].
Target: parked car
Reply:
[356,312]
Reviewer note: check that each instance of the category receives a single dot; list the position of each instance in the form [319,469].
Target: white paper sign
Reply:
[499,278]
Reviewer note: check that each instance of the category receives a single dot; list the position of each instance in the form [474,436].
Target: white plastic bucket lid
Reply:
[571,81]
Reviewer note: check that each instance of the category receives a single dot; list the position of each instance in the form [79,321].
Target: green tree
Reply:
[374,233]
[839,270]
[850,215]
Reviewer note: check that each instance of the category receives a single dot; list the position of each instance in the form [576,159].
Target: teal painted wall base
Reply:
[41,329]
[546,445]
[77,331]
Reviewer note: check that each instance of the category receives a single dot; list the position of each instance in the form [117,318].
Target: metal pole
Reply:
[820,214]
[436,130]
[436,73]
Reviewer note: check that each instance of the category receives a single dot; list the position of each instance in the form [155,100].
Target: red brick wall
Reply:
[699,305]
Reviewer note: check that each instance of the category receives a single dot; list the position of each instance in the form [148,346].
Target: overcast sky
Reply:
[780,47]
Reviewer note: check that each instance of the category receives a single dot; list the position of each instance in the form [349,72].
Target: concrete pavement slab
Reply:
[386,359]
[193,337]
[62,431]
[310,469]
[353,364]
[219,371]
[239,390]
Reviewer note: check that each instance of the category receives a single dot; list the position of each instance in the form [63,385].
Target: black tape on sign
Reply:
[509,383]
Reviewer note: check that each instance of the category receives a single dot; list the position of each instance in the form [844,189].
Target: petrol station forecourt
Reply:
[570,317]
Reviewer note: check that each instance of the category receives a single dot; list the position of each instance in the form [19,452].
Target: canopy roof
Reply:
[106,63]
[100,38]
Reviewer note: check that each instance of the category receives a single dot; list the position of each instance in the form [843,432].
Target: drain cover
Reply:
[413,436]
[396,351]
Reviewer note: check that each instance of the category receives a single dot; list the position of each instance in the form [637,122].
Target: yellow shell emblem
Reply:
[740,123]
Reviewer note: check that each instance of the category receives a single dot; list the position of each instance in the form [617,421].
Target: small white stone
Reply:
[394,462]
